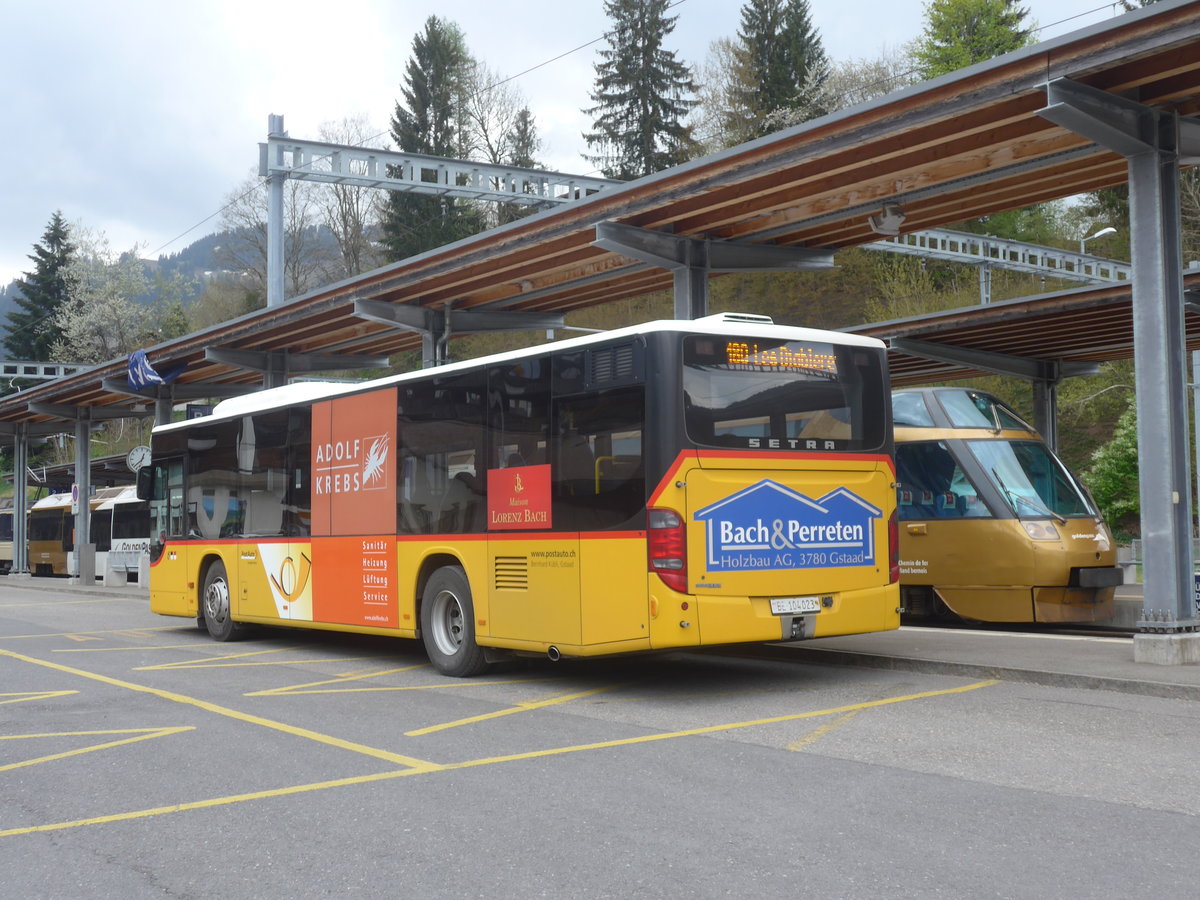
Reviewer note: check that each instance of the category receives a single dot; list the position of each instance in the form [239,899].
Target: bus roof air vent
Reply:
[737,318]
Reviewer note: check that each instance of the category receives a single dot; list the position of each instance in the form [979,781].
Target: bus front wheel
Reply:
[448,624]
[215,607]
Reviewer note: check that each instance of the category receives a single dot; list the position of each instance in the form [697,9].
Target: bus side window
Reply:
[599,460]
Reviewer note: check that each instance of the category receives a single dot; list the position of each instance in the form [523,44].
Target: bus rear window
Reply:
[762,393]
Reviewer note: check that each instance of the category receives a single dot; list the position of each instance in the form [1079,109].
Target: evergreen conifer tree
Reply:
[642,94]
[961,33]
[428,121]
[784,64]
[32,328]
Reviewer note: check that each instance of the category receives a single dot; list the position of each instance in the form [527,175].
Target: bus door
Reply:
[599,494]
[170,593]
[533,561]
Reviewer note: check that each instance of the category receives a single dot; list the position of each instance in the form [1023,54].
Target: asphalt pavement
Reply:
[1055,657]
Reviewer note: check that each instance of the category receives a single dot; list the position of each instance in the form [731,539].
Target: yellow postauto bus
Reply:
[675,484]
[993,527]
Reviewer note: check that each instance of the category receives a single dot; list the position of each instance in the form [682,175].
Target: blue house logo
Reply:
[769,526]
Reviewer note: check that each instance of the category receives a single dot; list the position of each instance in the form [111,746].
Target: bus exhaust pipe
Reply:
[553,654]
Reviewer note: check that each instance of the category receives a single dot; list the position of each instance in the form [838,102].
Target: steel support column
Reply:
[275,182]
[1044,374]
[20,561]
[1045,409]
[436,325]
[692,259]
[85,550]
[1152,141]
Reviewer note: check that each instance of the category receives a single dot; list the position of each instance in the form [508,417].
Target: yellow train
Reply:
[993,527]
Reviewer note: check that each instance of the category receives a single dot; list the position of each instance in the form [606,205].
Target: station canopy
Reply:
[962,146]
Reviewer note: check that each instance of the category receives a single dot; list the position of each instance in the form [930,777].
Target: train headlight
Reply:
[1041,531]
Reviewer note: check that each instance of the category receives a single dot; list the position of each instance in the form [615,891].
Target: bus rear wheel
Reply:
[448,624]
[215,607]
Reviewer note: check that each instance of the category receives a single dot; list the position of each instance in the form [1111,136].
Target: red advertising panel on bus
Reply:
[519,498]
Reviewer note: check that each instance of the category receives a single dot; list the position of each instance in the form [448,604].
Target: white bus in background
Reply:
[120,528]
[121,531]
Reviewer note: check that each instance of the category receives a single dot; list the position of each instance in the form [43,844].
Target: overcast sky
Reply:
[139,117]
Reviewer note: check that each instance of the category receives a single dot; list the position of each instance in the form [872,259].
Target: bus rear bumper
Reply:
[739,620]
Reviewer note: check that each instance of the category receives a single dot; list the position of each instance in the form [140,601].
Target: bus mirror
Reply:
[145,483]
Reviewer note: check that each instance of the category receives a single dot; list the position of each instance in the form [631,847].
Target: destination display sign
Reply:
[762,355]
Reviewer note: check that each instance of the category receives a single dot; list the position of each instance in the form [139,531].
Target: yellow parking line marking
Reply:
[716,729]
[35,695]
[216,801]
[397,758]
[817,733]
[803,743]
[80,638]
[474,682]
[433,767]
[74,635]
[61,602]
[343,679]
[245,665]
[142,734]
[139,647]
[518,708]
[199,663]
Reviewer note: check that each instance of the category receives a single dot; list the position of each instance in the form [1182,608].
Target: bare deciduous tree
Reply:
[307,265]
[352,213]
[721,117]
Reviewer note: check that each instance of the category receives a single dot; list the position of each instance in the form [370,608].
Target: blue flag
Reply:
[141,373]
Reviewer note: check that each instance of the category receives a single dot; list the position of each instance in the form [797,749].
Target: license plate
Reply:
[782,606]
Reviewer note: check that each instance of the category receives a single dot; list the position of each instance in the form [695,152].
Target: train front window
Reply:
[1031,479]
[909,410]
[760,393]
[975,409]
[933,485]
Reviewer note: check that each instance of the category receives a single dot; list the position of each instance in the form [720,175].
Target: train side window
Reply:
[933,485]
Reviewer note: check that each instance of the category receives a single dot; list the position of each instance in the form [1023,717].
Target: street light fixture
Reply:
[1101,233]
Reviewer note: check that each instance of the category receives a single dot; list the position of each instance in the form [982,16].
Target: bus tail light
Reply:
[666,547]
[894,548]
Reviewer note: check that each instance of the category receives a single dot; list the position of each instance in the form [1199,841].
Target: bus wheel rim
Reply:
[216,601]
[447,622]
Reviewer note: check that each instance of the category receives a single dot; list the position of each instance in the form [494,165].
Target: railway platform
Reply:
[1097,659]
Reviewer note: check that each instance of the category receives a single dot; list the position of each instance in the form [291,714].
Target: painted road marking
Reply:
[141,734]
[419,767]
[341,679]
[293,730]
[517,708]
[33,695]
[76,635]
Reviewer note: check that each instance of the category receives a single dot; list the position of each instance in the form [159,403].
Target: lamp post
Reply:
[1101,233]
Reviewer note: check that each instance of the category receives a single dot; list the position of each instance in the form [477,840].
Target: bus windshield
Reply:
[782,395]
[1031,479]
